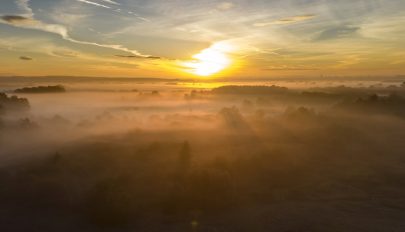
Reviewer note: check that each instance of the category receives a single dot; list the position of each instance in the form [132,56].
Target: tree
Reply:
[185,157]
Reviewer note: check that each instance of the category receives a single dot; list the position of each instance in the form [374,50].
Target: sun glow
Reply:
[211,60]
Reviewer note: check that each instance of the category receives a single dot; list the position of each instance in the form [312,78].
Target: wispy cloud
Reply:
[23,6]
[25,58]
[290,68]
[16,19]
[118,10]
[67,18]
[290,20]
[225,6]
[137,57]
[94,3]
[19,21]
[337,32]
[111,2]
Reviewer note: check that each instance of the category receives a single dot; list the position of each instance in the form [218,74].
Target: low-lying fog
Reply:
[173,156]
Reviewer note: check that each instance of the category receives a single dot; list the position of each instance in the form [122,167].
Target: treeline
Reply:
[392,104]
[250,90]
[12,103]
[42,89]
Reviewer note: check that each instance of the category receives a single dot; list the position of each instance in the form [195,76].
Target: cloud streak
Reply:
[225,6]
[25,58]
[136,57]
[290,68]
[111,2]
[116,10]
[94,4]
[31,23]
[337,32]
[16,19]
[23,6]
[290,20]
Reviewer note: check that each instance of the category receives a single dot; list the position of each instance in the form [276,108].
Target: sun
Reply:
[211,60]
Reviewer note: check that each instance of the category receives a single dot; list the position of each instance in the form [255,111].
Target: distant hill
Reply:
[42,89]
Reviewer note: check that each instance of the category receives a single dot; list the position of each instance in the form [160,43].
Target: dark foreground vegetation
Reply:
[244,168]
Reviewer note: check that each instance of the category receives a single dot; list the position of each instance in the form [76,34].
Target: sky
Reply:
[202,38]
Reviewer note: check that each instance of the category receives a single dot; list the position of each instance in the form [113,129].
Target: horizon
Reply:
[399,77]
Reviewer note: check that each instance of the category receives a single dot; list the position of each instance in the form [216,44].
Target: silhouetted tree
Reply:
[185,157]
[233,118]
[13,103]
[110,204]
[26,123]
[373,98]
[56,157]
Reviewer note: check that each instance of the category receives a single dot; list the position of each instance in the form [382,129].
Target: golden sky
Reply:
[202,38]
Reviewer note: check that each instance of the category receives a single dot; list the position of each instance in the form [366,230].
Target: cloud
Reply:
[23,5]
[298,53]
[290,68]
[30,23]
[143,19]
[94,3]
[61,30]
[112,8]
[16,19]
[225,5]
[337,32]
[60,52]
[25,58]
[67,18]
[133,56]
[111,2]
[290,20]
